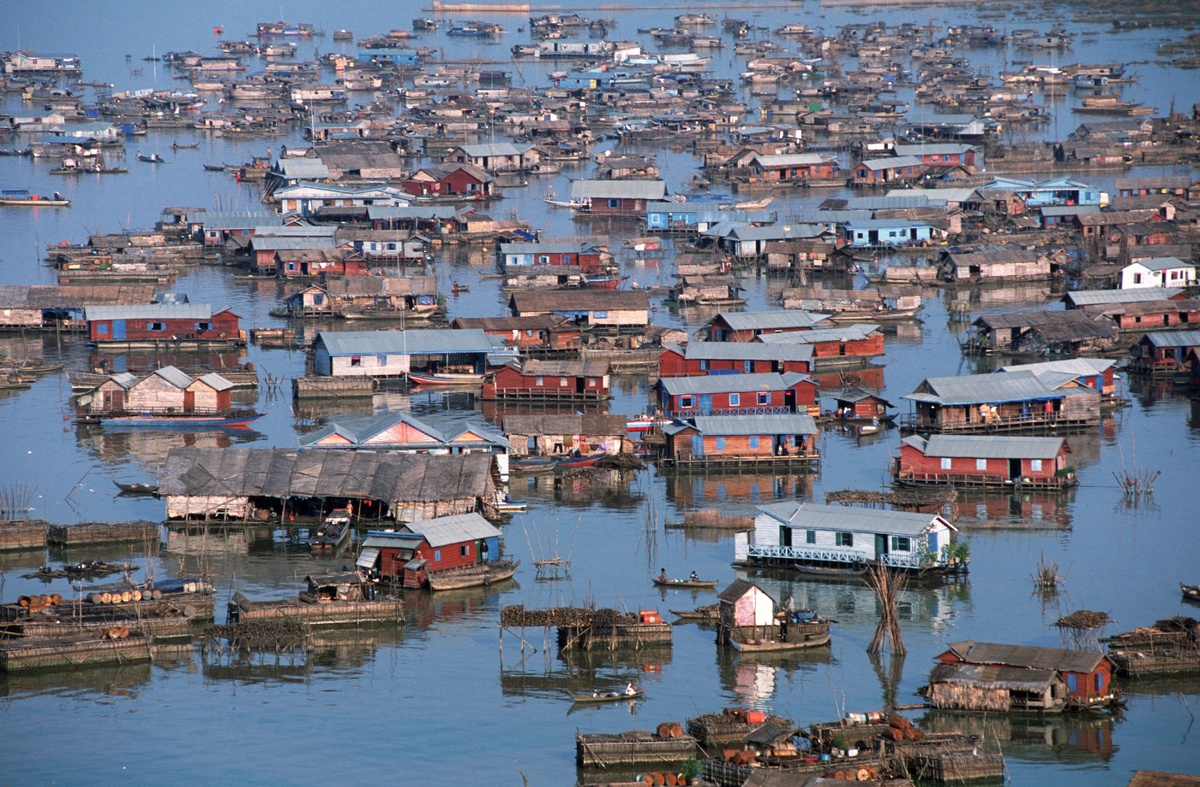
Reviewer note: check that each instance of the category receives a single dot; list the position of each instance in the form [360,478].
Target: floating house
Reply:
[791,168]
[997,678]
[1100,299]
[1041,333]
[995,265]
[879,171]
[612,311]
[698,359]
[1167,353]
[792,532]
[450,180]
[834,346]
[1013,401]
[540,334]
[1099,374]
[742,440]
[166,391]
[542,380]
[496,157]
[396,353]
[447,543]
[860,405]
[308,199]
[617,198]
[584,255]
[553,434]
[971,460]
[768,393]
[875,233]
[1140,316]
[1159,272]
[162,323]
[748,326]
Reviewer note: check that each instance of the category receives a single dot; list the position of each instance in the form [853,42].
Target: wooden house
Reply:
[792,532]
[1013,401]
[383,246]
[854,343]
[413,297]
[1167,353]
[264,246]
[1159,272]
[587,256]
[742,440]
[450,180]
[880,171]
[891,302]
[940,154]
[217,227]
[707,290]
[874,233]
[748,326]
[768,393]
[1041,333]
[1099,374]
[1141,316]
[995,265]
[161,323]
[1099,299]
[166,390]
[857,404]
[540,380]
[744,605]
[308,199]
[617,198]
[613,311]
[554,434]
[407,557]
[697,359]
[997,678]
[331,263]
[396,353]
[971,460]
[791,168]
[496,157]
[539,334]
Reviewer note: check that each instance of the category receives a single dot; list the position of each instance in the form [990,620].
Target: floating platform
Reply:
[36,654]
[601,750]
[16,536]
[103,533]
[322,613]
[333,387]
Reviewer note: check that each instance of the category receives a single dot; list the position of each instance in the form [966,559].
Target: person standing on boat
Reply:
[694,577]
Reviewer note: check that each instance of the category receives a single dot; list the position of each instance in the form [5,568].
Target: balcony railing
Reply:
[826,555]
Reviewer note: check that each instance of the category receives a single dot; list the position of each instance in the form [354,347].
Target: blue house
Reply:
[1058,191]
[699,216]
[866,233]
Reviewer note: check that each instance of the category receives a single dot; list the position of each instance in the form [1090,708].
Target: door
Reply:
[697,445]
[706,404]
[785,536]
[881,546]
[118,327]
[189,401]
[1014,468]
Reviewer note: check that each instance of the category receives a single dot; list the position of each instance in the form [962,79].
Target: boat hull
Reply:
[445,379]
[699,584]
[487,575]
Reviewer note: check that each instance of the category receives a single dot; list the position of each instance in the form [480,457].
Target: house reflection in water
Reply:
[1068,737]
[689,489]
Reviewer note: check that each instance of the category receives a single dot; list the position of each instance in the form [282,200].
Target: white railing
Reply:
[829,555]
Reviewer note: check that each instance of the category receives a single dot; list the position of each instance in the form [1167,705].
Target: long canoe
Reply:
[688,584]
[605,696]
[1190,592]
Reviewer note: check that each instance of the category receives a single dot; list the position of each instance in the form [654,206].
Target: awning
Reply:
[368,557]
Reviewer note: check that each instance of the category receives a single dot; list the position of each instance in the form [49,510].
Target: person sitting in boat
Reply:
[694,577]
[662,575]
[630,689]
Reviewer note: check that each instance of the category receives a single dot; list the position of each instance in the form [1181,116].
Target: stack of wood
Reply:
[114,632]
[901,729]
[36,604]
[670,729]
[739,756]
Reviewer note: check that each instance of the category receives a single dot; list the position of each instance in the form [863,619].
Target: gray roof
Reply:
[813,516]
[241,219]
[544,248]
[1027,656]
[720,383]
[838,333]
[150,311]
[1173,338]
[618,189]
[795,159]
[1163,263]
[383,212]
[302,168]
[285,243]
[1011,678]
[884,224]
[931,149]
[891,163]
[174,376]
[1102,297]
[594,424]
[429,341]
[786,423]
[454,529]
[772,320]
[984,388]
[989,447]
[746,351]
[1077,367]
[494,149]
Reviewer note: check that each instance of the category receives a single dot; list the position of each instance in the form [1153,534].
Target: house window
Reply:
[102,330]
[464,550]
[437,556]
[981,464]
[543,259]
[720,443]
[566,259]
[810,536]
[318,299]
[947,463]
[562,381]
[591,382]
[156,326]
[1099,678]
[1072,682]
[764,397]
[735,400]
[1035,465]
[600,315]
[614,203]
[844,539]
[539,380]
[1137,278]
[704,366]
[687,401]
[381,360]
[201,327]
[355,360]
[901,544]
[754,441]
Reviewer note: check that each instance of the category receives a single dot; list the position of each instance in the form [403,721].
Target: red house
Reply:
[161,322]
[737,394]
[860,405]
[698,359]
[854,343]
[898,169]
[940,154]
[786,438]
[311,263]
[546,333]
[966,460]
[549,380]
[428,547]
[449,180]
[1022,678]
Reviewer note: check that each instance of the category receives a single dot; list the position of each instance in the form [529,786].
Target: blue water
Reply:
[448,699]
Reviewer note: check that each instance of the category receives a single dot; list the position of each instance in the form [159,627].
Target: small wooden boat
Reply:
[709,613]
[215,168]
[1190,592]
[805,629]
[833,572]
[690,584]
[474,576]
[152,158]
[23,198]
[457,288]
[331,535]
[137,489]
[868,429]
[595,697]
[419,378]
[512,508]
[188,146]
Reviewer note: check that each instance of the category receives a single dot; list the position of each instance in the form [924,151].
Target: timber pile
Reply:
[324,613]
[731,726]
[83,569]
[619,462]
[713,518]
[516,616]
[948,759]
[924,500]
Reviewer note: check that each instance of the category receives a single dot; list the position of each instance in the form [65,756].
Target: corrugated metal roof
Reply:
[813,516]
[990,447]
[890,163]
[594,424]
[368,556]
[984,388]
[454,529]
[1079,367]
[1027,656]
[772,320]
[241,219]
[303,168]
[794,160]
[785,423]
[429,341]
[542,248]
[174,376]
[746,351]
[720,383]
[384,212]
[1100,297]
[150,311]
[1012,678]
[839,333]
[494,149]
[1174,338]
[1163,263]
[618,189]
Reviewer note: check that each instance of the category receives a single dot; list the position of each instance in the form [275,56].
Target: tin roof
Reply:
[721,383]
[594,424]
[728,425]
[1027,656]
[428,341]
[771,320]
[150,311]
[813,516]
[1173,338]
[1101,297]
[494,149]
[989,388]
[1012,678]
[618,189]
[455,529]
[837,333]
[989,447]
[746,351]
[1077,367]
[1163,263]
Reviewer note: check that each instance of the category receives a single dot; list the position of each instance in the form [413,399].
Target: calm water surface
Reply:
[448,699]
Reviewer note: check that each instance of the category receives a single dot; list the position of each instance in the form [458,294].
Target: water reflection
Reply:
[101,682]
[114,446]
[754,677]
[687,490]
[1067,738]
[1016,510]
[554,676]
[326,655]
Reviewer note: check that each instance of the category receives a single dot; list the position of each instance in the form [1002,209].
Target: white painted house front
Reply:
[793,532]
[1158,272]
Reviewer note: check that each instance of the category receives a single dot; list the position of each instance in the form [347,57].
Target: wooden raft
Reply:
[22,535]
[602,750]
[335,613]
[332,387]
[27,654]
[102,533]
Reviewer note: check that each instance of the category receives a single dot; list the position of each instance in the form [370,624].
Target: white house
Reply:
[1158,272]
[793,532]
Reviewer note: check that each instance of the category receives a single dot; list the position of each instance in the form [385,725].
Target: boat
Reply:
[25,198]
[605,282]
[457,288]
[688,584]
[137,489]
[438,378]
[333,532]
[152,158]
[758,204]
[646,423]
[183,146]
[868,429]
[511,508]
[709,613]
[851,571]
[215,168]
[802,629]
[605,696]
[474,576]
[1190,592]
